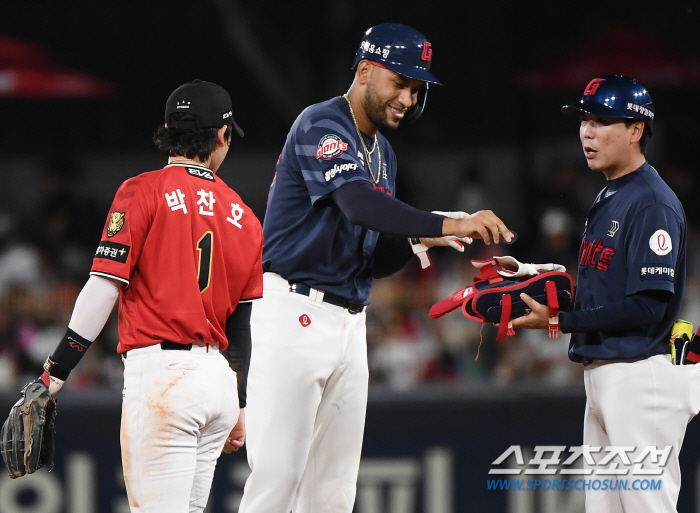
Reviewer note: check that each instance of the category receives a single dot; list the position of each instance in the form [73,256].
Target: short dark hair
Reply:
[198,143]
[644,141]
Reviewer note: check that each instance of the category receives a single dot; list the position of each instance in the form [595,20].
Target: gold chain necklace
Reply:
[368,154]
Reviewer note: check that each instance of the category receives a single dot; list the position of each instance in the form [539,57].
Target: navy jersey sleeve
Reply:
[653,244]
[327,154]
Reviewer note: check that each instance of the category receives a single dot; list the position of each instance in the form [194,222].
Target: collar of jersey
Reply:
[614,185]
[190,165]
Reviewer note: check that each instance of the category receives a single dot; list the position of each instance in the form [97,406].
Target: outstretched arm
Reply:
[90,313]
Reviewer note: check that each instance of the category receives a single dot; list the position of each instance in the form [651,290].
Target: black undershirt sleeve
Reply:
[640,309]
[390,255]
[363,205]
[239,347]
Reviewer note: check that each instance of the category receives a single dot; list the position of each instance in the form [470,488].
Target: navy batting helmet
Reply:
[615,96]
[403,50]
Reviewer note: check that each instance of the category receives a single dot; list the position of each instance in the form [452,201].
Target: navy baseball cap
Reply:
[400,48]
[208,103]
[615,96]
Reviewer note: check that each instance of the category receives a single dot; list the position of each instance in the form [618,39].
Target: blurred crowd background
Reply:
[83,86]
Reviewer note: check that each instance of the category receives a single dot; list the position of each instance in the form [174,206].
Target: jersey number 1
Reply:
[204,246]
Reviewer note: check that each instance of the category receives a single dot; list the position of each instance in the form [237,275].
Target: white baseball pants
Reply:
[641,403]
[178,409]
[307,398]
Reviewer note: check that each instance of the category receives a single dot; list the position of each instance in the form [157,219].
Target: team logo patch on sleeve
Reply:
[112,251]
[657,272]
[330,146]
[660,242]
[116,223]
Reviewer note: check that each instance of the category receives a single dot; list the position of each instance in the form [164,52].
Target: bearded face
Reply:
[376,108]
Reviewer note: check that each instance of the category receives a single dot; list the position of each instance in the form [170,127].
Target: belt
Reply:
[331,299]
[168,345]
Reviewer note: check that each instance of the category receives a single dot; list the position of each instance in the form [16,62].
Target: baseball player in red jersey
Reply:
[182,253]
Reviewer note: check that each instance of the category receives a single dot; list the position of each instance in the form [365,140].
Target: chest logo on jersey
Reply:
[614,226]
[204,174]
[660,242]
[112,251]
[304,320]
[337,169]
[330,146]
[116,223]
[595,255]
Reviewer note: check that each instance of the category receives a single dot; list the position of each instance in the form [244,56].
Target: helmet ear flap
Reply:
[417,110]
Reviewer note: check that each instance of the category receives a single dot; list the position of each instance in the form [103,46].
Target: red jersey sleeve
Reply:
[124,233]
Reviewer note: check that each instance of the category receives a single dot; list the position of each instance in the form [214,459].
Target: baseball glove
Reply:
[27,439]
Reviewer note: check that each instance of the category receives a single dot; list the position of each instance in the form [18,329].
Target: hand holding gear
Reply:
[27,439]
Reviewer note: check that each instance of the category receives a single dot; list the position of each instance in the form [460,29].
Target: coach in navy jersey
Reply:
[332,225]
[630,287]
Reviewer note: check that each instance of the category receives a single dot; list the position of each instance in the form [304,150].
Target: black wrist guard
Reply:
[67,354]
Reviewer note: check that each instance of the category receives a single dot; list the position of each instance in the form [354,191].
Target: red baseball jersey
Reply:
[187,248]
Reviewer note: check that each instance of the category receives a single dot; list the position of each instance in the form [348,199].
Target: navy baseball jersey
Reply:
[634,241]
[307,239]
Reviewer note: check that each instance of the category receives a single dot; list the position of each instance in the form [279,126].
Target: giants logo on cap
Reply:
[330,146]
[593,86]
[427,52]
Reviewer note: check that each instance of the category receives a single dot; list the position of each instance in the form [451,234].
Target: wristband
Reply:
[67,354]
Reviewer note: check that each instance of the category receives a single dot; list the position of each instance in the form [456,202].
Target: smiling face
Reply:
[389,96]
[610,146]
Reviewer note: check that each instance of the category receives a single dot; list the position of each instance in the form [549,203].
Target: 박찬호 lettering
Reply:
[176,201]
[206,202]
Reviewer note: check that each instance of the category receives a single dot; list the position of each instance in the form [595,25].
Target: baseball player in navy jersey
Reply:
[332,225]
[182,255]
[630,286]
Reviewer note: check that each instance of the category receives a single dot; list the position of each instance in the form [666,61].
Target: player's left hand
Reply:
[236,438]
[538,318]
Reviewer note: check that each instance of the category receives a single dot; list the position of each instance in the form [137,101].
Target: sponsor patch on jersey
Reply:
[204,174]
[330,146]
[660,242]
[304,320]
[116,223]
[656,272]
[614,226]
[337,169]
[112,251]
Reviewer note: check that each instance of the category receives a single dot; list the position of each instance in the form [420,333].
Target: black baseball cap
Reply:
[208,103]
